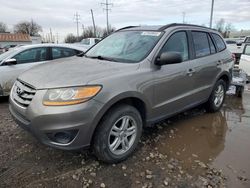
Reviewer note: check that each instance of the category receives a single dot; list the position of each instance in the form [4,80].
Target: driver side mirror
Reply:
[10,62]
[169,58]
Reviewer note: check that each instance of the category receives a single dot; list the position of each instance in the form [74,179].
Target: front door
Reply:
[173,83]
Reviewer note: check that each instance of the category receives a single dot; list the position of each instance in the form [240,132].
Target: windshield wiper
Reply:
[102,58]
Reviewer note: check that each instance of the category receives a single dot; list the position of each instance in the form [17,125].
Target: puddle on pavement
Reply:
[221,139]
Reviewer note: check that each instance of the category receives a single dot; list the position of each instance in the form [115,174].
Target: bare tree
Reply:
[70,38]
[224,28]
[89,33]
[111,30]
[220,25]
[26,27]
[3,27]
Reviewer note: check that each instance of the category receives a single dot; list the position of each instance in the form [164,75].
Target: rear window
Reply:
[219,42]
[201,44]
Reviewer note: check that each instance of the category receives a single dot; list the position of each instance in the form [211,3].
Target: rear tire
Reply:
[118,134]
[217,97]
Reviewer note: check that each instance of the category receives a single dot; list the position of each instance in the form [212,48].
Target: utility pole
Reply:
[183,16]
[82,28]
[51,36]
[77,20]
[93,19]
[107,9]
[211,15]
[57,37]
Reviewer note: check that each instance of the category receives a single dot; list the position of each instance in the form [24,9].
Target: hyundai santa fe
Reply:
[134,78]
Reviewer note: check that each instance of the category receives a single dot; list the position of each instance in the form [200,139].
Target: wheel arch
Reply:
[131,98]
[226,77]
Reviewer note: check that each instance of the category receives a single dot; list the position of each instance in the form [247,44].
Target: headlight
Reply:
[70,96]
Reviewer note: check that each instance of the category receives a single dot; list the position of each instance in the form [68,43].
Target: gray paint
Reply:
[164,90]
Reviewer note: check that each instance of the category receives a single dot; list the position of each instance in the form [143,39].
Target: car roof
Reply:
[52,45]
[165,27]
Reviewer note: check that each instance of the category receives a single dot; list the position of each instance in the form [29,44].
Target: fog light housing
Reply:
[62,137]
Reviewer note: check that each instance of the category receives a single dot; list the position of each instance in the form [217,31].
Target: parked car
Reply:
[20,59]
[245,61]
[235,47]
[7,47]
[88,43]
[134,78]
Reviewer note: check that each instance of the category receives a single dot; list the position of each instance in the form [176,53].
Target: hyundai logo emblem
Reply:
[19,91]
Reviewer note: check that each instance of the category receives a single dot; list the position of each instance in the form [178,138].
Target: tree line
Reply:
[32,28]
[25,27]
[88,32]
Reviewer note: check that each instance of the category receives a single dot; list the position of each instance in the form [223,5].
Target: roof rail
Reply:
[181,24]
[128,27]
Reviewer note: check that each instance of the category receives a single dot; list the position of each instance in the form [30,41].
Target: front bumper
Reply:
[44,121]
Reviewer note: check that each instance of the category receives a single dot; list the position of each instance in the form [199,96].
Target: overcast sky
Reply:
[58,14]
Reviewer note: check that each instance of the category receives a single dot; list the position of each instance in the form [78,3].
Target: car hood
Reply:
[75,71]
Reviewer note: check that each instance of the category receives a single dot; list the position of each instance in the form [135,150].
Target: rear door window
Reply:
[177,43]
[219,42]
[58,52]
[201,44]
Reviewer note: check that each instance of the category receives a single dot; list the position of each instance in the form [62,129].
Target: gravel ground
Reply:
[192,149]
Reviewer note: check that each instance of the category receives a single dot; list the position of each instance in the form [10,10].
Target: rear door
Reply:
[25,60]
[205,65]
[245,60]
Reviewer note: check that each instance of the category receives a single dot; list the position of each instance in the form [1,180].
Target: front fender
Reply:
[115,100]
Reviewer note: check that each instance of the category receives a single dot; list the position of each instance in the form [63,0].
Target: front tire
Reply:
[217,97]
[118,134]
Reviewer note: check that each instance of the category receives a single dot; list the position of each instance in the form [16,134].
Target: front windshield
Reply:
[126,46]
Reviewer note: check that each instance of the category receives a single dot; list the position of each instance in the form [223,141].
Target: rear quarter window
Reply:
[219,42]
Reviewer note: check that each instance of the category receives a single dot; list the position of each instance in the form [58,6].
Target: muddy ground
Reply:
[193,149]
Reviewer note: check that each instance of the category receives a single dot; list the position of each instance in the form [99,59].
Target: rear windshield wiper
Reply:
[102,58]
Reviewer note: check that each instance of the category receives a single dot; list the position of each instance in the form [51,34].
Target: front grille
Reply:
[22,93]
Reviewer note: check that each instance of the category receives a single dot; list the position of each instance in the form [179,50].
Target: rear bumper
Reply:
[45,122]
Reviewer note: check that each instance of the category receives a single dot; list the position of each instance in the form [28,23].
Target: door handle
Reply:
[190,72]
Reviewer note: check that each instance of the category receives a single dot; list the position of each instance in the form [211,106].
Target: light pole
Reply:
[211,15]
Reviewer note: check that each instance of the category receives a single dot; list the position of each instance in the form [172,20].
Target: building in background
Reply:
[10,39]
[7,39]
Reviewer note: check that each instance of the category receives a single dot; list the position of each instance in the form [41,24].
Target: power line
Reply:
[107,9]
[77,20]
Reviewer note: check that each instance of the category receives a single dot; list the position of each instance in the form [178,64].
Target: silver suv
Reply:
[133,78]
